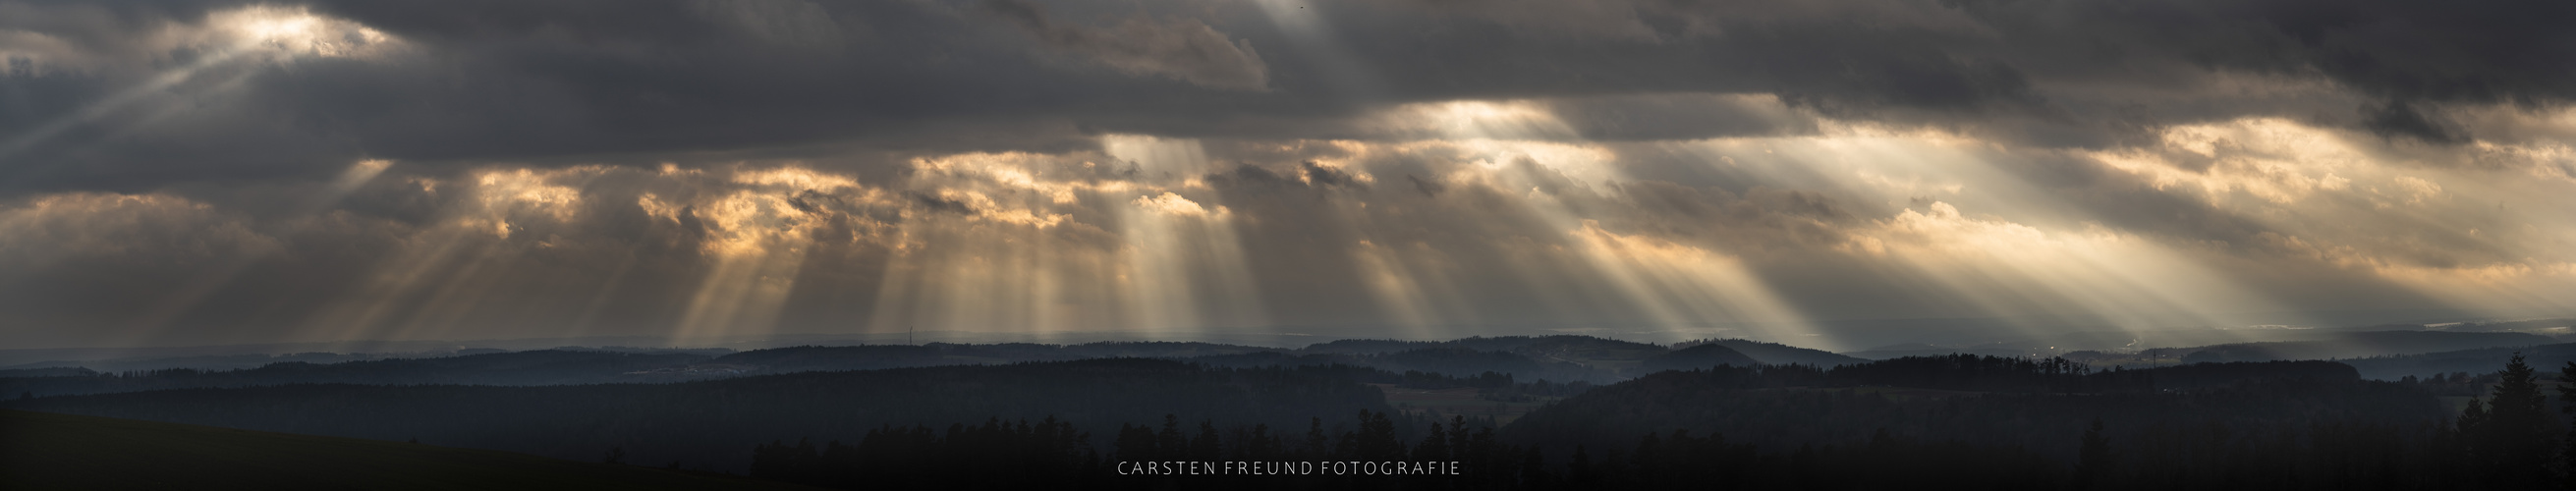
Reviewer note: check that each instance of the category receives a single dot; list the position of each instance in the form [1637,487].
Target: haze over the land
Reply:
[223,172]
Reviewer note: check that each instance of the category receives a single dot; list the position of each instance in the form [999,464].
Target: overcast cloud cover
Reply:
[202,172]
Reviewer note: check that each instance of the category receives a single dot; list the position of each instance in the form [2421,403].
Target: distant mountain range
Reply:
[1562,359]
[1559,358]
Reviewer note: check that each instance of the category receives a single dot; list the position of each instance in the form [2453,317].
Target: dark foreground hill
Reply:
[60,451]
[1981,400]
[711,424]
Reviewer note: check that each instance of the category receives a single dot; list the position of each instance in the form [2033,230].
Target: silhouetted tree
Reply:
[2093,459]
[2510,437]
[1376,438]
[1205,448]
[1170,441]
[1317,446]
[1134,443]
[2567,397]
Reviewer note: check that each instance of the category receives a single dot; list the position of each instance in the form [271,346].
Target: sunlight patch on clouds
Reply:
[1494,120]
[2275,160]
[294,31]
[1127,238]
[258,33]
[1175,205]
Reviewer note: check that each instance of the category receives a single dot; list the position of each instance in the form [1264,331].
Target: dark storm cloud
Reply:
[1183,49]
[535,81]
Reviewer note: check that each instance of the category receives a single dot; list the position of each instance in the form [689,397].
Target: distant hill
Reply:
[1366,346]
[1698,357]
[1779,354]
[882,356]
[48,372]
[1920,349]
[62,451]
[2535,326]
[1570,346]
[1455,362]
[1560,357]
[1556,358]
[2354,345]
[1158,349]
[544,367]
[216,362]
[2547,358]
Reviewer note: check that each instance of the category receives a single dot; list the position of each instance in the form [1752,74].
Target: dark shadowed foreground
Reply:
[60,451]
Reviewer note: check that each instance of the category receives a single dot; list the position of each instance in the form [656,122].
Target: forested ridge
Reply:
[542,367]
[1959,420]
[707,424]
[1558,358]
[2046,424]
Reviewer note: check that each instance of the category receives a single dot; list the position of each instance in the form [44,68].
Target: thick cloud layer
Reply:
[221,171]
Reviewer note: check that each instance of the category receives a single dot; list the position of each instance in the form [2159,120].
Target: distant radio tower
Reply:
[908,337]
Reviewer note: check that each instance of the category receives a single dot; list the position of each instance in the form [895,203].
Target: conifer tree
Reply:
[1206,447]
[2510,437]
[2567,398]
[1317,446]
[2093,460]
[1171,442]
[1435,444]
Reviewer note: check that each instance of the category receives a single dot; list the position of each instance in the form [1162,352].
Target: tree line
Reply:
[2310,434]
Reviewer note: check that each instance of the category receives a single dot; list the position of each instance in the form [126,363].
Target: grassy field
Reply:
[1456,402]
[55,451]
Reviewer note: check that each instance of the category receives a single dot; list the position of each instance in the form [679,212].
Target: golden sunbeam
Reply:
[1182,265]
[1684,292]
[758,241]
[2473,241]
[445,257]
[2002,265]
[252,34]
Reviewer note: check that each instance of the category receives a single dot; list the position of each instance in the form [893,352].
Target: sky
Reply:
[229,172]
